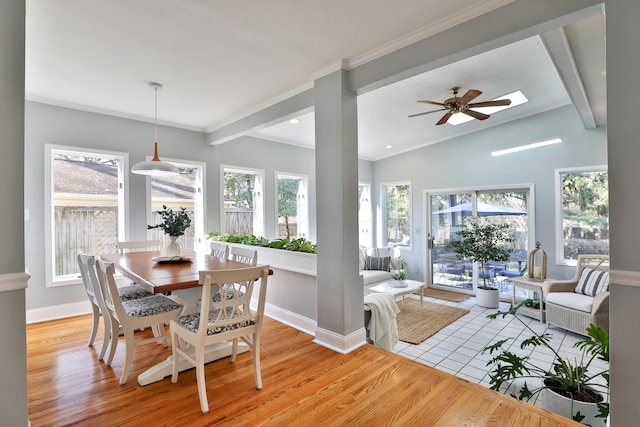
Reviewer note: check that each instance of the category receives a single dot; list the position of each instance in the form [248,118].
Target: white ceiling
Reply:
[220,61]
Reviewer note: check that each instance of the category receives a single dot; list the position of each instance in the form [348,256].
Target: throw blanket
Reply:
[383,329]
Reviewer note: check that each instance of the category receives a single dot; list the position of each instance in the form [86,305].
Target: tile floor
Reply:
[457,348]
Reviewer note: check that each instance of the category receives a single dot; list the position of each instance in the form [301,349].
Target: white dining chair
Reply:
[131,315]
[87,267]
[244,255]
[220,250]
[129,290]
[229,319]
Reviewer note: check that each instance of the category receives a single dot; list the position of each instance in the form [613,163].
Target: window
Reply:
[84,202]
[292,206]
[176,192]
[243,203]
[364,215]
[583,213]
[396,202]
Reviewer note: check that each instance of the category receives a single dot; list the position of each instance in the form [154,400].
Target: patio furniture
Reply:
[229,319]
[576,303]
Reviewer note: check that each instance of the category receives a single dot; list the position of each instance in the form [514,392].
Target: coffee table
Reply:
[412,286]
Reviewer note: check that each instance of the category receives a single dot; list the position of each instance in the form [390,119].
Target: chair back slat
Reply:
[219,250]
[244,255]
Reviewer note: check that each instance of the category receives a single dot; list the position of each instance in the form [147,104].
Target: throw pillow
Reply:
[378,263]
[592,282]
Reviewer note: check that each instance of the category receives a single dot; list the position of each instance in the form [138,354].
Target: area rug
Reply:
[444,295]
[417,323]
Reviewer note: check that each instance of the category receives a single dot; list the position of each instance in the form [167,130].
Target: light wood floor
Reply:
[303,385]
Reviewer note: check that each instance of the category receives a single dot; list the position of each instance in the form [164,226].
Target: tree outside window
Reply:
[292,206]
[584,227]
[243,202]
[397,204]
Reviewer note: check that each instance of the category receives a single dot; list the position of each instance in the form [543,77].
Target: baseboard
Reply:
[341,343]
[55,312]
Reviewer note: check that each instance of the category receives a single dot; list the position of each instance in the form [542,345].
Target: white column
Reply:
[339,285]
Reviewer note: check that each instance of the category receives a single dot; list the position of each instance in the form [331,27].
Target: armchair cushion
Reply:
[571,300]
[378,263]
[592,282]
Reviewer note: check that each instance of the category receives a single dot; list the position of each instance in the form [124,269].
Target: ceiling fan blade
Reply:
[471,94]
[476,114]
[424,101]
[496,103]
[427,112]
[444,119]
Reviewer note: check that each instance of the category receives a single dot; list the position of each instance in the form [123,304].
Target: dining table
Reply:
[176,277]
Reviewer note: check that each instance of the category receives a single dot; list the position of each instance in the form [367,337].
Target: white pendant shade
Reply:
[155,167]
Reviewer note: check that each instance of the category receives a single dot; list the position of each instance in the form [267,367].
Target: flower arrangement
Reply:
[173,223]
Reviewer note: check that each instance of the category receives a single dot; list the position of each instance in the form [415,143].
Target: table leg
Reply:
[164,369]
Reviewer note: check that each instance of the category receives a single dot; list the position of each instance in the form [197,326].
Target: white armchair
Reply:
[576,303]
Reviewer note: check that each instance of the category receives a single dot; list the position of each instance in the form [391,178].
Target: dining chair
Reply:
[219,250]
[87,267]
[131,290]
[131,315]
[244,255]
[229,319]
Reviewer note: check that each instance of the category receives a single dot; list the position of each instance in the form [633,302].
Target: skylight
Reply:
[517,98]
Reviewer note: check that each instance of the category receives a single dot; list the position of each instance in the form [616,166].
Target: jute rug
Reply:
[444,295]
[416,323]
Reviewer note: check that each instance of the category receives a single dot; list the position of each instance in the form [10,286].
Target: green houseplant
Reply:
[576,380]
[483,241]
[174,224]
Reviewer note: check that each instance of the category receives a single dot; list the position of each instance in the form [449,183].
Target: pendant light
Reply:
[155,167]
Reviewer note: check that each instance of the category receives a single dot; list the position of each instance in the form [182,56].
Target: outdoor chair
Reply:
[229,319]
[131,315]
[87,267]
[576,303]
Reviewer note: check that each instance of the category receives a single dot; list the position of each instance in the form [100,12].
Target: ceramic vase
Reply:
[173,248]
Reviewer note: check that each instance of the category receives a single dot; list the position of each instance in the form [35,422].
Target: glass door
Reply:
[449,212]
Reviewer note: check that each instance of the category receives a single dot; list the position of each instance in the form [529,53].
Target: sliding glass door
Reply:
[448,212]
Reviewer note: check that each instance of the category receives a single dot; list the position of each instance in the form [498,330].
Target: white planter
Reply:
[562,406]
[487,298]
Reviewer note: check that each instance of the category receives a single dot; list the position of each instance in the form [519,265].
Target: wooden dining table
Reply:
[178,277]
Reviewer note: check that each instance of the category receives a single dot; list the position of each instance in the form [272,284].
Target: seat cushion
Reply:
[148,306]
[192,321]
[370,277]
[592,282]
[571,300]
[133,292]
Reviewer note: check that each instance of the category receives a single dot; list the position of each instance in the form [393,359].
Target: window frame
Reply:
[259,211]
[365,235]
[383,210]
[277,176]
[197,223]
[560,259]
[51,279]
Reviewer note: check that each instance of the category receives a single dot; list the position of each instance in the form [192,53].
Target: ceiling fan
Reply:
[461,105]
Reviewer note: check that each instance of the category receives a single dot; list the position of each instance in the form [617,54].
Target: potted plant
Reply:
[399,276]
[573,380]
[483,241]
[174,224]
